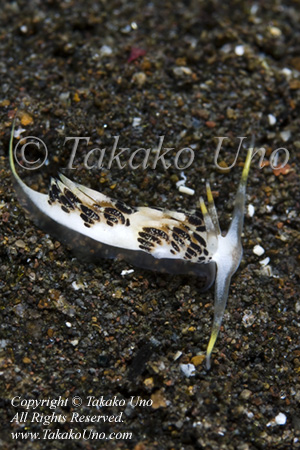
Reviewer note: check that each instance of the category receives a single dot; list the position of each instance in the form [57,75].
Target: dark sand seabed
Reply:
[191,71]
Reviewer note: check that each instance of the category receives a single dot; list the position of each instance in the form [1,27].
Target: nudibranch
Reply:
[151,238]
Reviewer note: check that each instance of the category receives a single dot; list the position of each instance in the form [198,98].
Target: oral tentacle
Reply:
[212,209]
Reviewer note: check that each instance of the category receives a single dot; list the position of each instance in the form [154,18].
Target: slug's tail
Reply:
[229,252]
[32,201]
[11,154]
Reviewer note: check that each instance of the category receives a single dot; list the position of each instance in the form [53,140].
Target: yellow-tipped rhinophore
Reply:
[227,256]
[247,165]
[210,198]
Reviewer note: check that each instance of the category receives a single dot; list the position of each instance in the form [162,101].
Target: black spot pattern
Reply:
[196,247]
[186,239]
[175,246]
[122,207]
[72,197]
[156,232]
[66,202]
[54,192]
[149,237]
[182,233]
[114,215]
[86,219]
[145,243]
[191,252]
[89,213]
[193,219]
[199,239]
[178,239]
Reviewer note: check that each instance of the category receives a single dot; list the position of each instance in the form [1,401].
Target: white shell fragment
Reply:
[258,250]
[181,71]
[248,318]
[251,210]
[18,132]
[265,261]
[177,355]
[280,419]
[285,135]
[182,187]
[239,50]
[186,190]
[127,272]
[76,286]
[287,72]
[105,50]
[188,370]
[272,119]
[182,181]
[136,122]
[275,31]
[267,271]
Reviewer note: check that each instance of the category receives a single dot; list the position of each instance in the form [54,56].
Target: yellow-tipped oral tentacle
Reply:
[212,209]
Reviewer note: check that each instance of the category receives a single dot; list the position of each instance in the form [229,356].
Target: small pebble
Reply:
[285,135]
[23,29]
[19,243]
[251,210]
[127,272]
[18,132]
[188,370]
[245,394]
[239,50]
[198,360]
[265,261]
[179,353]
[275,31]
[139,78]
[64,96]
[186,190]
[76,286]
[26,119]
[266,271]
[272,119]
[26,360]
[258,250]
[280,419]
[136,121]
[181,71]
[287,72]
[105,50]
[158,400]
